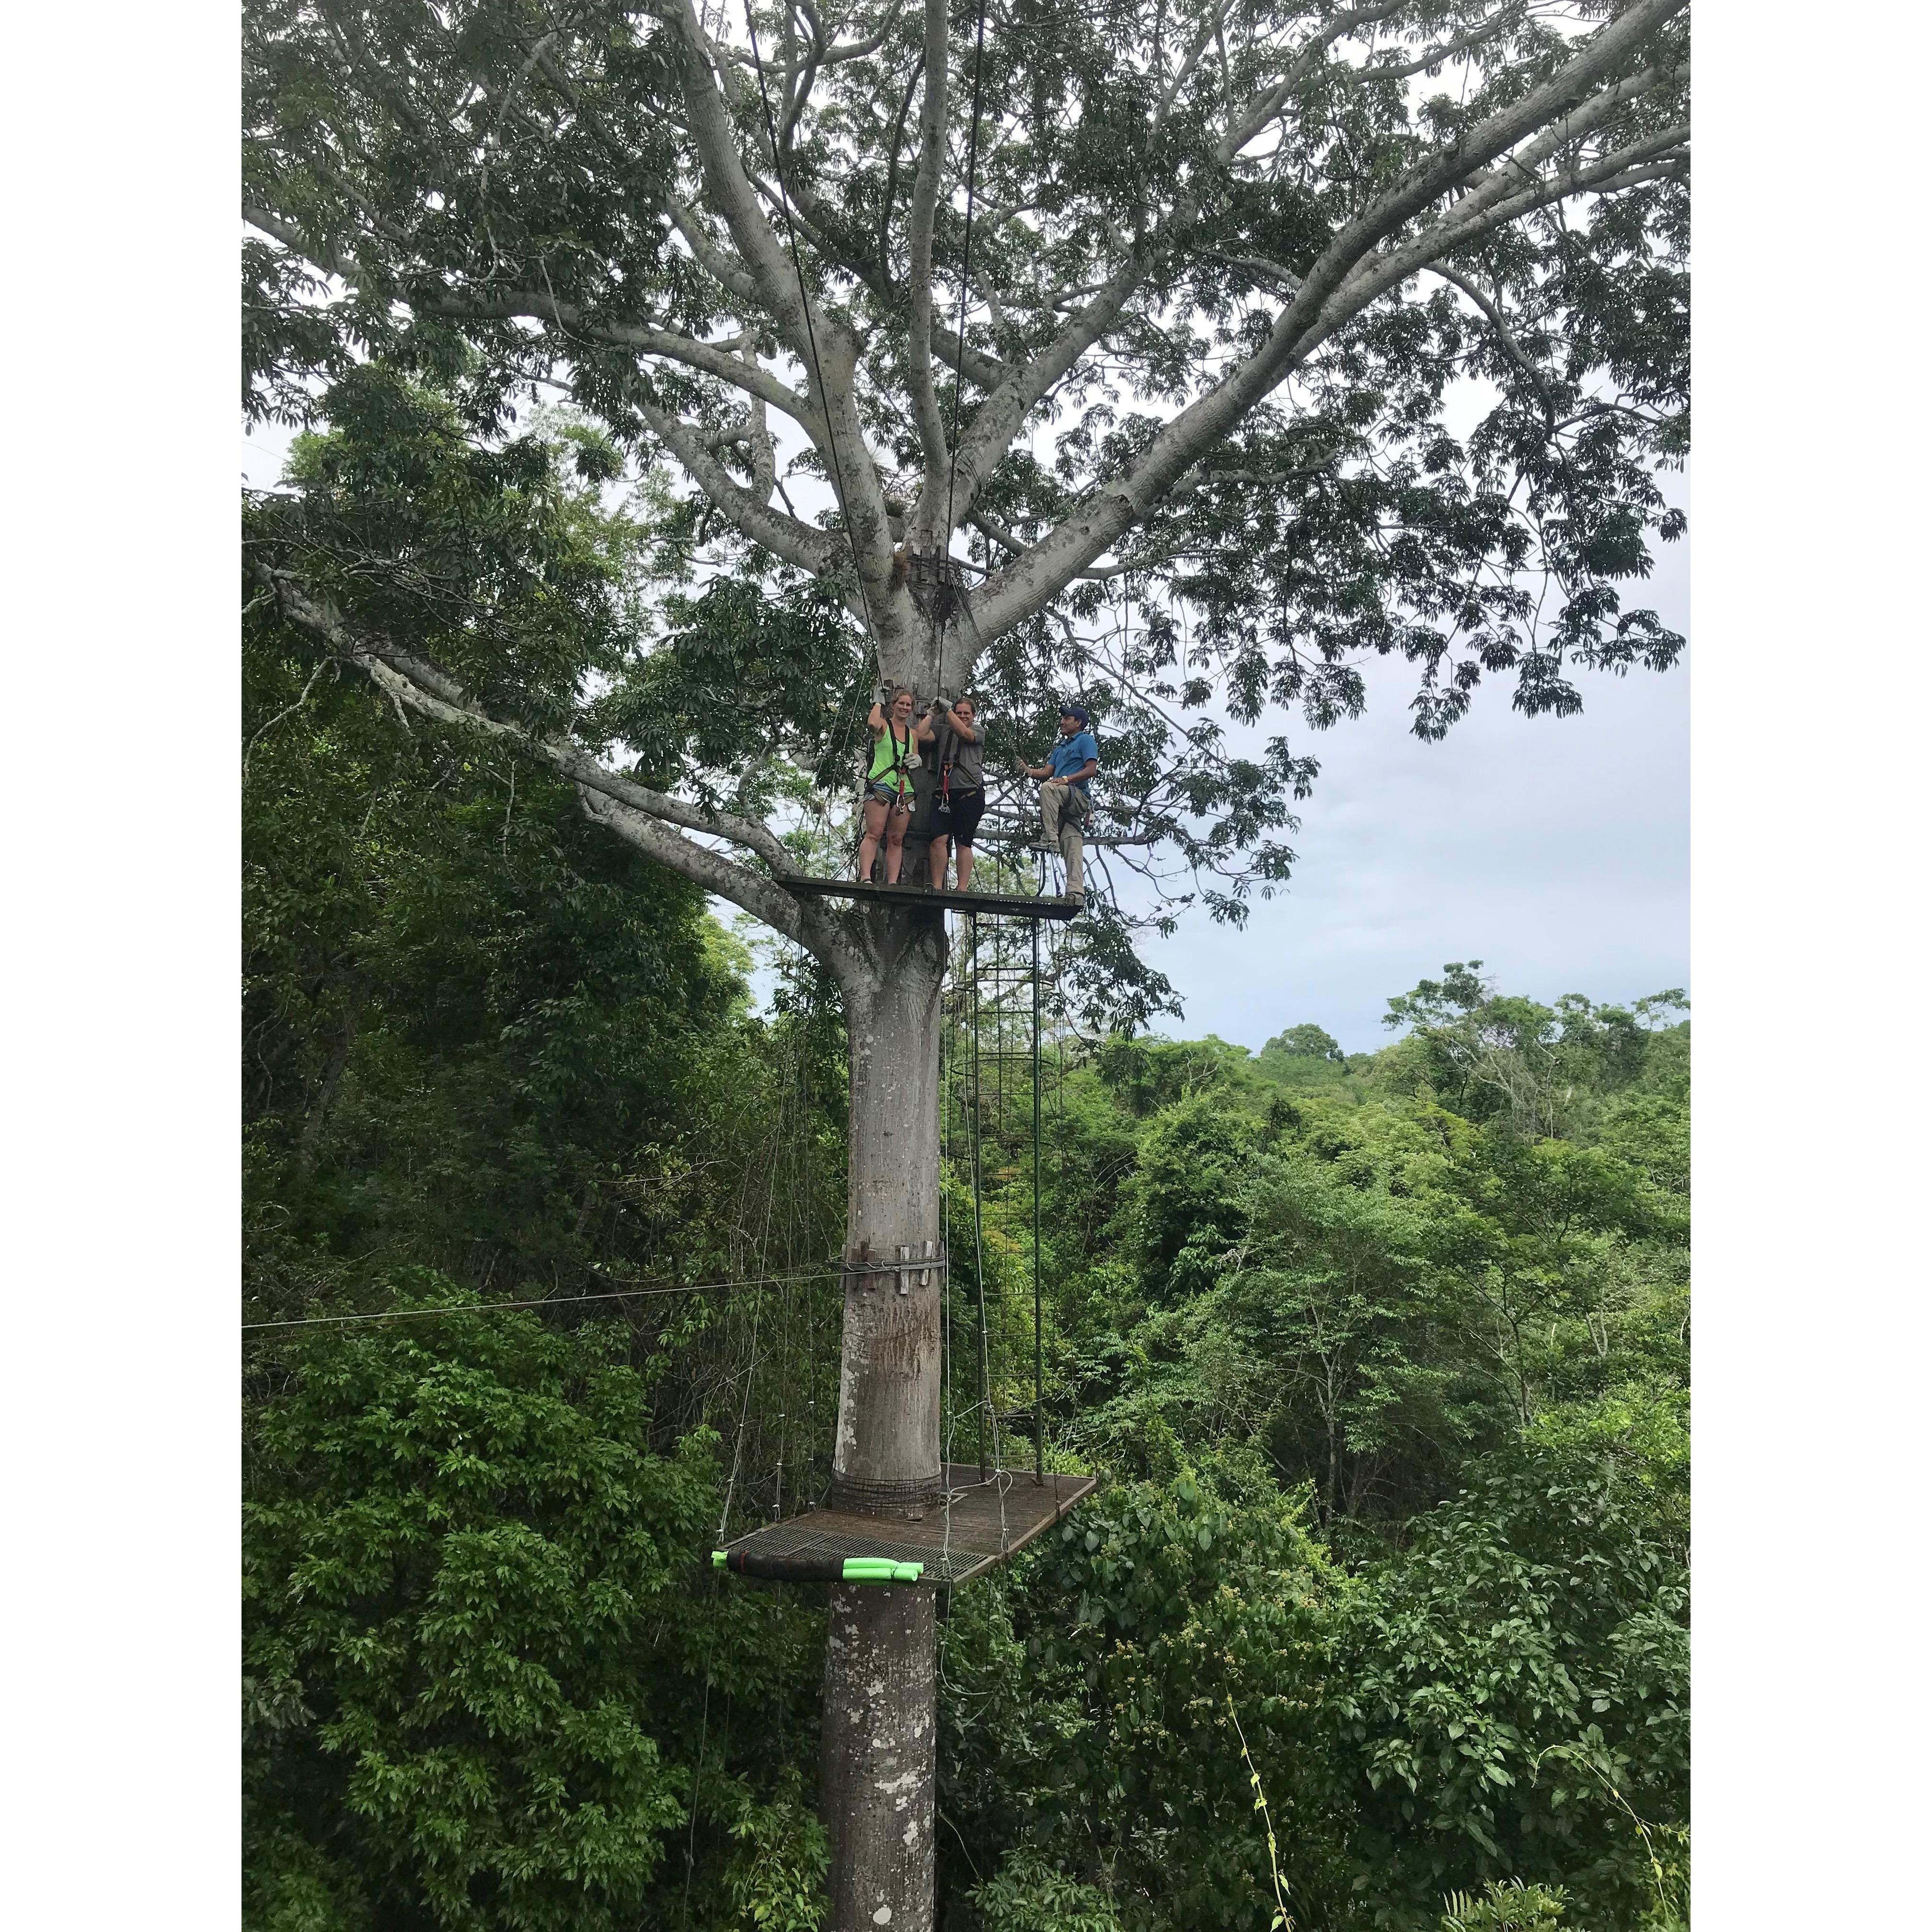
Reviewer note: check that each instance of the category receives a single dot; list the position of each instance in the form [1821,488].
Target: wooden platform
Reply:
[980,1523]
[986,905]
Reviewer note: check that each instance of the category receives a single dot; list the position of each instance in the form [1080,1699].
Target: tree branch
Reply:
[1211,24]
[1627,168]
[1261,107]
[826,348]
[797,543]
[920,227]
[883,286]
[957,353]
[344,268]
[835,55]
[1511,347]
[1017,591]
[714,873]
[731,191]
[998,418]
[742,372]
[1017,546]
[1447,50]
[504,305]
[718,262]
[431,692]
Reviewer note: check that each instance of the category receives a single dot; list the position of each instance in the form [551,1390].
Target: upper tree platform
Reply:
[980,1521]
[996,905]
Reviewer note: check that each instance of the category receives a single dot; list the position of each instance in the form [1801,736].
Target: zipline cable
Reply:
[545,1300]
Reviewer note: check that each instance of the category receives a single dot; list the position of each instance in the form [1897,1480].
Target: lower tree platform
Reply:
[978,1522]
[997,905]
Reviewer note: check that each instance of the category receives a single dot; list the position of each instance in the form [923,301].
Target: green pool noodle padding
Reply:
[749,1562]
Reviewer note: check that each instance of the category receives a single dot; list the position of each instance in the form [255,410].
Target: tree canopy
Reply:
[1237,344]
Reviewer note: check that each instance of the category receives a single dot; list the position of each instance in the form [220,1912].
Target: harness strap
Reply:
[894,773]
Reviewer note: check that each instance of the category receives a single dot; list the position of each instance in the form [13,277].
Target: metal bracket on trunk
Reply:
[907,1270]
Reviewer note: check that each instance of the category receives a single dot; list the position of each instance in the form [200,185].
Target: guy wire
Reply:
[541,1301]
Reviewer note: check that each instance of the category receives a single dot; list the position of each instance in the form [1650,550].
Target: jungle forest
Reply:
[677,394]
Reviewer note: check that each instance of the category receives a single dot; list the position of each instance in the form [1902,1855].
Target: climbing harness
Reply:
[892,762]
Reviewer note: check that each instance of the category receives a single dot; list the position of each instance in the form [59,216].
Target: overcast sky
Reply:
[1553,850]
[1556,850]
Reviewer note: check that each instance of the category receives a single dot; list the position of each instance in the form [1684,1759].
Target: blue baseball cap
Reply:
[1075,711]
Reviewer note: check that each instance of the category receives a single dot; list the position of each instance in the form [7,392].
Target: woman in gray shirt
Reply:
[959,796]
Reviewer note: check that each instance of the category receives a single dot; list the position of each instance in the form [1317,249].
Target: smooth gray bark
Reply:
[876,1757]
[878,1736]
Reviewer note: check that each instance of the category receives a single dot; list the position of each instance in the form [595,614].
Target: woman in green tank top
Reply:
[896,737]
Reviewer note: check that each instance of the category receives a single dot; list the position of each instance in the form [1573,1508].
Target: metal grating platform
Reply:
[980,1524]
[995,905]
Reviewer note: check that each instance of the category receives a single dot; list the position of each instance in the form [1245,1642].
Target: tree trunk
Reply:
[876,1751]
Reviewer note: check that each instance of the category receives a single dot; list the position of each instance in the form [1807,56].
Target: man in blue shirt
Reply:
[1066,802]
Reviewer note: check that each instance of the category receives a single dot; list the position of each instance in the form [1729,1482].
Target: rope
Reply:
[988,1410]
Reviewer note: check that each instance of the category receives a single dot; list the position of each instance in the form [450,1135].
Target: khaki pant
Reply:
[1062,812]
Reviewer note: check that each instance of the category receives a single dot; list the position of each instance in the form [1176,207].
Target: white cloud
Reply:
[1554,850]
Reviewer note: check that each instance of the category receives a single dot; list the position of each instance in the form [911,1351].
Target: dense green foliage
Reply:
[1391,1385]
[1345,332]
[1382,1355]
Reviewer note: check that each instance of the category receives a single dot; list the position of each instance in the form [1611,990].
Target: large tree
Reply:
[1186,355]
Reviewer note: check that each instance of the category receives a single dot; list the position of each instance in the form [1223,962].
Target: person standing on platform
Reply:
[959,795]
[1066,802]
[896,736]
